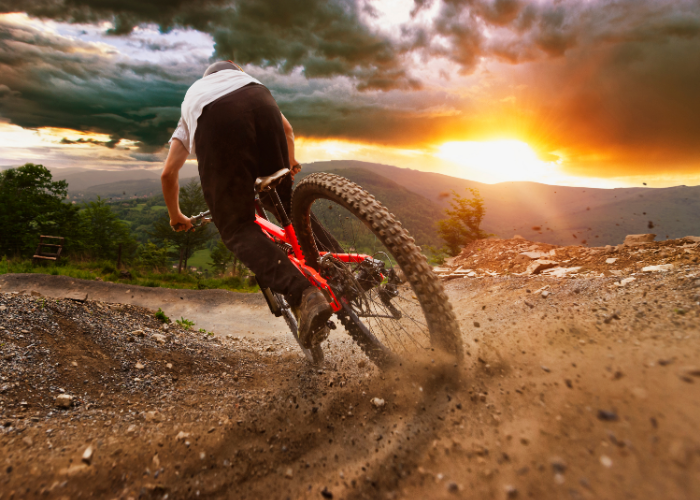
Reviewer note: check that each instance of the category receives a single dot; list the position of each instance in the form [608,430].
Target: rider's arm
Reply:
[289,132]
[171,187]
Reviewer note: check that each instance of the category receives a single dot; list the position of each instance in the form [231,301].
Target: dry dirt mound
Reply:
[517,256]
[589,391]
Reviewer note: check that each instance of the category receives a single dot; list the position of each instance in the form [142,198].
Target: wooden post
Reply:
[119,256]
[179,265]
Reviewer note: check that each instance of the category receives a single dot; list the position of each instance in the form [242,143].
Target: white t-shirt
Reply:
[201,93]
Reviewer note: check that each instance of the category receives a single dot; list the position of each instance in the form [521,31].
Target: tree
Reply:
[103,231]
[31,204]
[221,257]
[463,222]
[151,257]
[185,243]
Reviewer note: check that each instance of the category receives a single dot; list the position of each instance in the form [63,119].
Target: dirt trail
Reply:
[220,311]
[591,390]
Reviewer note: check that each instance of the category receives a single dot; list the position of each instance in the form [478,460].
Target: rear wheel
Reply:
[393,304]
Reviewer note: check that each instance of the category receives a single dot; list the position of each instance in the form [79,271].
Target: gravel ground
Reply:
[573,388]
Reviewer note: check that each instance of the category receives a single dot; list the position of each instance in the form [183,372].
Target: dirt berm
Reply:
[588,391]
[219,311]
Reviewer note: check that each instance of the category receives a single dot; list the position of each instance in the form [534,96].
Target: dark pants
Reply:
[240,137]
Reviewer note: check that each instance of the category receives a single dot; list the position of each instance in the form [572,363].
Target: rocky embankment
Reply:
[519,257]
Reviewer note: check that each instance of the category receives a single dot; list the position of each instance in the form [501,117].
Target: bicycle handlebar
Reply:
[202,219]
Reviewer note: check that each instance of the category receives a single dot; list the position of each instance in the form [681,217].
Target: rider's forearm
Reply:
[169,178]
[289,133]
[290,147]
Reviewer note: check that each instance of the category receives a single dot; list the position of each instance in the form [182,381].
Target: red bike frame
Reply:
[287,235]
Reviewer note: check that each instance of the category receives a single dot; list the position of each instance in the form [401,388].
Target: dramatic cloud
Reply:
[50,81]
[323,37]
[608,86]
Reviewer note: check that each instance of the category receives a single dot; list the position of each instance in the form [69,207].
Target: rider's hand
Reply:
[180,223]
[296,169]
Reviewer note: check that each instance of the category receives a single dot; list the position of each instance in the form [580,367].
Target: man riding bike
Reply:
[234,126]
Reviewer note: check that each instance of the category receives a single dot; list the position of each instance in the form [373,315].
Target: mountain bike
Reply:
[348,245]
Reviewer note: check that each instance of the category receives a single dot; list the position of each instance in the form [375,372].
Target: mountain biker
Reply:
[233,125]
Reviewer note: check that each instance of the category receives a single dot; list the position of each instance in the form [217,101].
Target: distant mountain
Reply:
[538,212]
[85,184]
[417,213]
[598,216]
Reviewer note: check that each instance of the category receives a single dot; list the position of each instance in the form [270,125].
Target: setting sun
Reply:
[499,160]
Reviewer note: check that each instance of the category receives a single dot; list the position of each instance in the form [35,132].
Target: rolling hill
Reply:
[564,215]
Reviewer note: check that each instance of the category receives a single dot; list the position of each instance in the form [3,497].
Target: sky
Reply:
[598,93]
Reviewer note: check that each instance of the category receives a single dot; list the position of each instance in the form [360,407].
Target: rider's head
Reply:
[221,65]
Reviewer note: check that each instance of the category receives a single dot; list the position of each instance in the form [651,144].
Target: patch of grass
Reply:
[200,259]
[106,271]
[160,316]
[184,323]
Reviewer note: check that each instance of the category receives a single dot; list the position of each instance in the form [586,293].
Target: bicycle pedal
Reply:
[330,325]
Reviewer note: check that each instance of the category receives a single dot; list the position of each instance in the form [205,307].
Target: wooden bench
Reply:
[53,252]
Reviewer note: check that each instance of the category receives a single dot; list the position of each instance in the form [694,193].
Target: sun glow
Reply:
[499,160]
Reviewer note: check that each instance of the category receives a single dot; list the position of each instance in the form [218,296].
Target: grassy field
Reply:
[200,259]
[105,271]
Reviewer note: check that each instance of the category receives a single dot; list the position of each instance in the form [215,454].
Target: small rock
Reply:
[77,296]
[289,473]
[540,265]
[511,491]
[160,338]
[611,317]
[131,429]
[545,294]
[182,435]
[611,260]
[452,487]
[608,416]
[74,364]
[325,493]
[378,402]
[87,455]
[606,461]
[138,333]
[625,281]
[64,400]
[638,239]
[546,369]
[152,416]
[476,324]
[169,366]
[156,461]
[558,465]
[27,440]
[139,366]
[659,268]
[528,304]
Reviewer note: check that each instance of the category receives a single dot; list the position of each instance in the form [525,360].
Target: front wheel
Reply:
[393,304]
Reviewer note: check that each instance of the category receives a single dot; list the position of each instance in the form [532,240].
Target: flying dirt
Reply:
[576,384]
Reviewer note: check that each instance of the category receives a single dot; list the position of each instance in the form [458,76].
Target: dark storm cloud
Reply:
[50,81]
[612,82]
[323,37]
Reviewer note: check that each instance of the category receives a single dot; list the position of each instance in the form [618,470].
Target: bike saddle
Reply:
[271,181]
